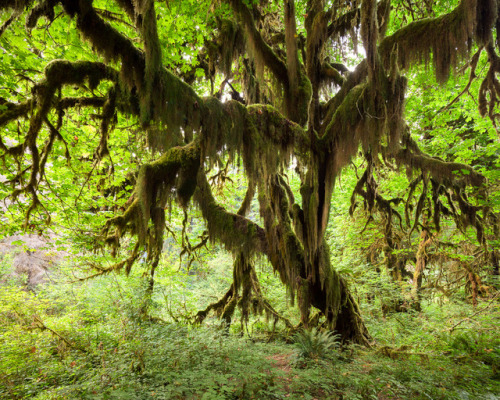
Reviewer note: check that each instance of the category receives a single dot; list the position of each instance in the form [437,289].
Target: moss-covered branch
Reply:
[111,44]
[450,174]
[369,34]
[353,79]
[292,54]
[151,103]
[316,24]
[14,4]
[447,37]
[45,9]
[332,74]
[260,134]
[176,169]
[298,91]
[234,231]
[260,48]
[173,173]
[217,307]
[13,111]
[58,73]
[13,17]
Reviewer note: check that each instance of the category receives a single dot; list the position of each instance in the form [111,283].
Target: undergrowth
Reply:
[87,341]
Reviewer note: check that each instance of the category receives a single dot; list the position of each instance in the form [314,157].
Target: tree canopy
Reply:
[152,102]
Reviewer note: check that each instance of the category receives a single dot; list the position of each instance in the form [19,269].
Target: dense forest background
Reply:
[249,199]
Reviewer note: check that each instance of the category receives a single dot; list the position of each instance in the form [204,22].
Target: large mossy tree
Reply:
[299,108]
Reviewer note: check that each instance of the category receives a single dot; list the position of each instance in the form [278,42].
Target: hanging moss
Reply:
[181,106]
[155,180]
[231,45]
[340,26]
[107,122]
[223,126]
[151,102]
[486,16]
[242,279]
[343,132]
[446,38]
[251,299]
[251,85]
[304,300]
[269,141]
[186,180]
[175,169]
[218,306]
[448,173]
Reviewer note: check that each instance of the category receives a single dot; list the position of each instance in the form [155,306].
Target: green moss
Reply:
[177,168]
[234,231]
[446,38]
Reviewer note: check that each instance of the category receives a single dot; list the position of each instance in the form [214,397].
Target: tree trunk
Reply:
[425,240]
[327,291]
[347,321]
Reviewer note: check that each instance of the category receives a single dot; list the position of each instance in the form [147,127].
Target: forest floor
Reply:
[86,341]
[141,360]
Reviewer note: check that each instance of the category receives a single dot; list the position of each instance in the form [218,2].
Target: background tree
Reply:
[300,108]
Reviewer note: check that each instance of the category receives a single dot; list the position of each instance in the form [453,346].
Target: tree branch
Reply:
[292,55]
[234,231]
[446,37]
[260,48]
[449,173]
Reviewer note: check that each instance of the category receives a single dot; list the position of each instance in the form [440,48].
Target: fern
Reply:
[316,344]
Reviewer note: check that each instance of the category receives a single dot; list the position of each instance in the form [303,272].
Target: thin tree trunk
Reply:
[425,241]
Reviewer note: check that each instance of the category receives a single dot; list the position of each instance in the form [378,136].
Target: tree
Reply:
[300,108]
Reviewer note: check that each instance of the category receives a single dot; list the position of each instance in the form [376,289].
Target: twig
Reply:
[38,323]
[473,64]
